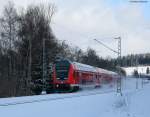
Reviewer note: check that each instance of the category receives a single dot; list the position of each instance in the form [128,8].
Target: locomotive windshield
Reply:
[62,69]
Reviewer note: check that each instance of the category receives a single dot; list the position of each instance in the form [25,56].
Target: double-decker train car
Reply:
[71,76]
[107,76]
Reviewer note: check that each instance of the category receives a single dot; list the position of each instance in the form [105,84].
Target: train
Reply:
[71,76]
[68,76]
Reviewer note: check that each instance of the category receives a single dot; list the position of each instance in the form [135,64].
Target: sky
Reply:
[79,22]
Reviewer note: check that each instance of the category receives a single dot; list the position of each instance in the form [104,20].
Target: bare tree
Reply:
[36,36]
[8,31]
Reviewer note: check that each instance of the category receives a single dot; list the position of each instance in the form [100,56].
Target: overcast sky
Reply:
[80,21]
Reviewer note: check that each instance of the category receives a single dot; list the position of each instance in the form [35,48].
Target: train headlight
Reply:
[57,85]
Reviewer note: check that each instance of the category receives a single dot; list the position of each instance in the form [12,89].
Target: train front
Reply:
[63,76]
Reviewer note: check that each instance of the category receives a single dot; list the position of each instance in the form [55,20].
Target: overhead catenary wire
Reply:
[106,46]
[81,35]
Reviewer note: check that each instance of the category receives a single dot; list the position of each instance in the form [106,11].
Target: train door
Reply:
[76,77]
[98,80]
[80,78]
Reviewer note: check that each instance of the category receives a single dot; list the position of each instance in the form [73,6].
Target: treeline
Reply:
[22,37]
[137,59]
[27,40]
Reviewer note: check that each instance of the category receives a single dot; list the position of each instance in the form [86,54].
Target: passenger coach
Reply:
[70,76]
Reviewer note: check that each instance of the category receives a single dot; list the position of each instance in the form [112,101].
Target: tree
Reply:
[8,24]
[78,54]
[9,57]
[91,58]
[135,73]
[147,70]
[37,42]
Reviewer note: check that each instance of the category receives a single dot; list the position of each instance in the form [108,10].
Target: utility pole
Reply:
[28,82]
[136,62]
[119,82]
[43,65]
[142,79]
[118,52]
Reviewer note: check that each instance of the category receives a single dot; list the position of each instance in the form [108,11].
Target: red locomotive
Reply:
[70,76]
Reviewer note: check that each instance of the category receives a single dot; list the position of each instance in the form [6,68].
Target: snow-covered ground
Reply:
[140,69]
[102,103]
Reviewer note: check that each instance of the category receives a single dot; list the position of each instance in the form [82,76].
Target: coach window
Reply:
[79,74]
[96,76]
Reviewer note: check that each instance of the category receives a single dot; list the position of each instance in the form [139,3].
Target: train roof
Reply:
[84,67]
[88,68]
[104,71]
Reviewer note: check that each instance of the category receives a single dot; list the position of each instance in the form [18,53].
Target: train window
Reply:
[62,70]
[78,74]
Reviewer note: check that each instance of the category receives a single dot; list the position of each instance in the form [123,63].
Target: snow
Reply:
[140,69]
[133,103]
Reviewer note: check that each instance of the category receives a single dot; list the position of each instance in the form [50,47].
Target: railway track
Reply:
[51,97]
[90,93]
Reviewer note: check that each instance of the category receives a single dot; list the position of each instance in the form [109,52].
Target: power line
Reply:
[106,46]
